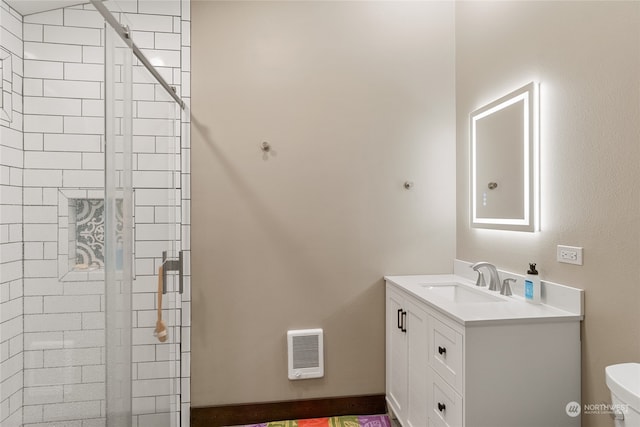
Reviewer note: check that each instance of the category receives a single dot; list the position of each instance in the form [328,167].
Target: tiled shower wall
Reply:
[63,342]
[11,163]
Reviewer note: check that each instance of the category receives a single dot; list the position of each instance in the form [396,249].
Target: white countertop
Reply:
[508,309]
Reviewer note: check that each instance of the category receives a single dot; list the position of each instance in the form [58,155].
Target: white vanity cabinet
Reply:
[441,371]
[406,355]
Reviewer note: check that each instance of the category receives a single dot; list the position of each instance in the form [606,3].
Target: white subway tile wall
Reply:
[12,355]
[52,325]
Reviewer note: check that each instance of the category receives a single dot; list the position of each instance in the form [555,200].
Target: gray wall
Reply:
[355,98]
[586,56]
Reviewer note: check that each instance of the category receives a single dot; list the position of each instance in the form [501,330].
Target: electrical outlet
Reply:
[569,254]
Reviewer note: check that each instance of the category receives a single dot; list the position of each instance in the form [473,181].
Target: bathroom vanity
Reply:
[458,355]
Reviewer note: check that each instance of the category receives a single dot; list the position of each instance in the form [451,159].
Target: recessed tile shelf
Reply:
[6,83]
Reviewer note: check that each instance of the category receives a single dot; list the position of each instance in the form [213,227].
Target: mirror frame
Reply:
[527,94]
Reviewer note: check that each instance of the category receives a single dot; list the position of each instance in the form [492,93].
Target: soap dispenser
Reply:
[532,285]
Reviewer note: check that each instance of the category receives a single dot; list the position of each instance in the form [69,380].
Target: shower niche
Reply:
[81,242]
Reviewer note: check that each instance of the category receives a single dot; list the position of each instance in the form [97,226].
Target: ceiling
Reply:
[27,7]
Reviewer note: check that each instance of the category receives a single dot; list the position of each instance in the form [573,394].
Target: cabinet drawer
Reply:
[446,404]
[445,353]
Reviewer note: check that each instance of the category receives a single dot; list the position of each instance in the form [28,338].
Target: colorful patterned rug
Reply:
[344,421]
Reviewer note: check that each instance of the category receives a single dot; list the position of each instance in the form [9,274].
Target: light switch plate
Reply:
[569,254]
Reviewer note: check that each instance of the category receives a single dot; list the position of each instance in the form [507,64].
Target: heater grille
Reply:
[305,351]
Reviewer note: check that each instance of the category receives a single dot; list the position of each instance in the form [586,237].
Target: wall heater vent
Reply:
[305,350]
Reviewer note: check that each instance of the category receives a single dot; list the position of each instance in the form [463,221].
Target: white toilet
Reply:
[623,381]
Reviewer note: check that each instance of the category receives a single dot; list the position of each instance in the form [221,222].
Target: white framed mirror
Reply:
[504,162]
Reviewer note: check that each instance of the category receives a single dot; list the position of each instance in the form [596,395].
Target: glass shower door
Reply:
[143,218]
[156,182]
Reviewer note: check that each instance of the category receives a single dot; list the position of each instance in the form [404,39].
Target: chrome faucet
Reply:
[494,279]
[480,280]
[506,289]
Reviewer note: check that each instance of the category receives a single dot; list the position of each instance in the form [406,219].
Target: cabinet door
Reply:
[396,352]
[417,365]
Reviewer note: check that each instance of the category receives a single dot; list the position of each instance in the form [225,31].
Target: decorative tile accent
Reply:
[89,231]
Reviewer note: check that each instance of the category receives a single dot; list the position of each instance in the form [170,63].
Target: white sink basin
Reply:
[460,293]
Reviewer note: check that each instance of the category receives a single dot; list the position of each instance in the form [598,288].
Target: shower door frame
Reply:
[118,265]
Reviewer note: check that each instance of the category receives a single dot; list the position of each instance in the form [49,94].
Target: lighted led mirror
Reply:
[504,162]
